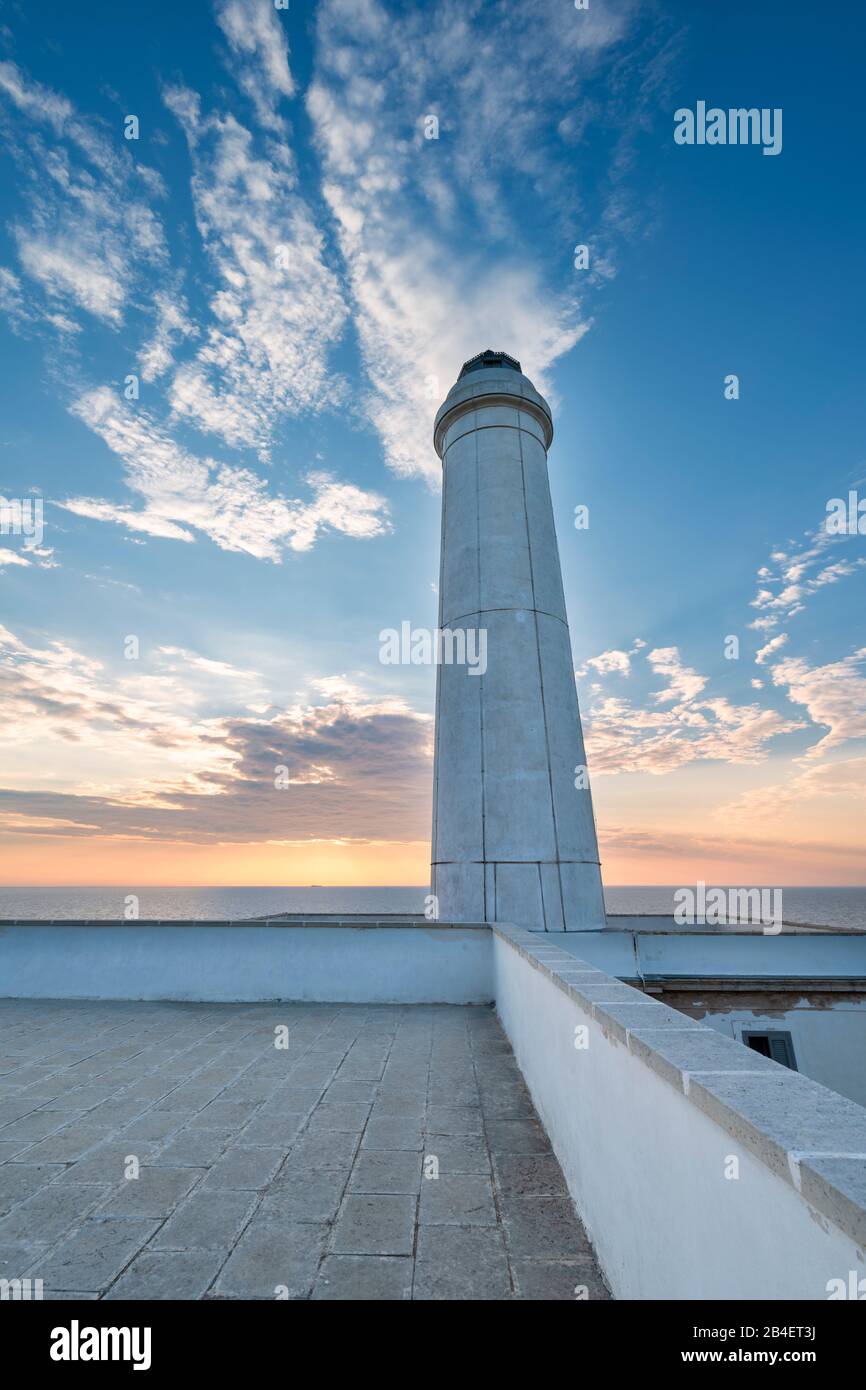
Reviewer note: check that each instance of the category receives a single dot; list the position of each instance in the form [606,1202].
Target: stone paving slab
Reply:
[250,1151]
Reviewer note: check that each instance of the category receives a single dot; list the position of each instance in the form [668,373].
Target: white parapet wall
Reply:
[351,963]
[641,949]
[700,1169]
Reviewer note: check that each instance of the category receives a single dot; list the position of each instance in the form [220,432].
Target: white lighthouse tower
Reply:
[514,836]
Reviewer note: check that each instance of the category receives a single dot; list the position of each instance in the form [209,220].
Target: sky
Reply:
[244,251]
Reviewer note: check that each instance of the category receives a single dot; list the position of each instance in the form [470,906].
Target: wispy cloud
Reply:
[605,662]
[769,649]
[803,793]
[260,51]
[833,694]
[505,97]
[12,557]
[233,506]
[90,231]
[277,308]
[624,736]
[613,660]
[684,684]
[24,313]
[798,571]
[727,854]
[171,326]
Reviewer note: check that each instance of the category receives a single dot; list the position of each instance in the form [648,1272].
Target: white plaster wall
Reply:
[646,1167]
[225,963]
[829,1042]
[633,950]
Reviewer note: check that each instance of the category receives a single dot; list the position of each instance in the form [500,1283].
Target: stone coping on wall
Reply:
[665,924]
[806,1134]
[413,920]
[669,983]
[359,923]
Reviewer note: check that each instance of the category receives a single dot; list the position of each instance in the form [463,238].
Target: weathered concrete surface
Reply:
[268,1171]
[513,830]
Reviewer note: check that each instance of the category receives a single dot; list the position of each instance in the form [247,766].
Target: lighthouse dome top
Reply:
[489,358]
[491,380]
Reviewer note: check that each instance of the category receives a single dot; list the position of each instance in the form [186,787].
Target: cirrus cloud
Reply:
[231,505]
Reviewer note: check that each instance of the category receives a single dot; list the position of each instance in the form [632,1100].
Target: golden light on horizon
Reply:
[94,862]
[108,861]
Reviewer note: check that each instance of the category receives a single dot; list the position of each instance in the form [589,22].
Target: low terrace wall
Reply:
[337,962]
[700,1169]
[639,950]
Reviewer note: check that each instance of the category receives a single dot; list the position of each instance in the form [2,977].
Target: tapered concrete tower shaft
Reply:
[514,836]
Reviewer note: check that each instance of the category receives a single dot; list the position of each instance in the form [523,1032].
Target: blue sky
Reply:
[294,273]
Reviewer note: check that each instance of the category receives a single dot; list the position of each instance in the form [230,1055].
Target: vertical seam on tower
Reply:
[540,684]
[481,685]
[435,845]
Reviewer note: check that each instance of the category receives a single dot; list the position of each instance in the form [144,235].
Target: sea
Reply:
[830,907]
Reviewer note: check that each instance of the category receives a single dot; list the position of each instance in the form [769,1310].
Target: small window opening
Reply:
[779,1047]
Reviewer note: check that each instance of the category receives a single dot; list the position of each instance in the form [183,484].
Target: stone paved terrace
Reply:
[263,1167]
